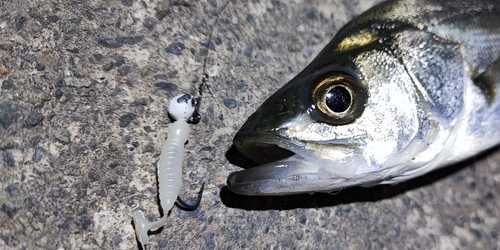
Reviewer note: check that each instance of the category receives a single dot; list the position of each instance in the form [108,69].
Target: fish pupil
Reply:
[338,99]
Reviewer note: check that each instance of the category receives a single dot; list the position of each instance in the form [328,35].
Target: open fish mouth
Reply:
[273,162]
[262,152]
[283,168]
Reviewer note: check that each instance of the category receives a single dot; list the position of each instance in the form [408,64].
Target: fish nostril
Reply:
[279,107]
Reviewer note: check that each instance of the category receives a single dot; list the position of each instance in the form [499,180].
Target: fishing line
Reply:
[205,77]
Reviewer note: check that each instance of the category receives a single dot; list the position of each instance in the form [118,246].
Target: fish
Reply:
[405,88]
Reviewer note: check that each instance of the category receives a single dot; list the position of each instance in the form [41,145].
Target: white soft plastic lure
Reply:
[182,109]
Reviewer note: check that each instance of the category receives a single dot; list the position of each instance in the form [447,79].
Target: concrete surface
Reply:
[84,88]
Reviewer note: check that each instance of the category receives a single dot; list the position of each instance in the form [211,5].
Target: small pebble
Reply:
[261,44]
[116,42]
[33,119]
[98,57]
[161,77]
[72,48]
[113,164]
[126,119]
[13,190]
[5,118]
[162,9]
[311,13]
[8,159]
[251,19]
[58,94]
[52,19]
[59,82]
[209,240]
[112,147]
[6,84]
[229,102]
[35,226]
[120,60]
[38,155]
[248,51]
[7,47]
[93,176]
[116,240]
[139,102]
[111,181]
[125,70]
[108,66]
[175,48]
[127,3]
[39,66]
[150,23]
[10,209]
[84,223]
[148,129]
[149,148]
[318,235]
[168,86]
[286,239]
[20,20]
[62,135]
[303,219]
[78,82]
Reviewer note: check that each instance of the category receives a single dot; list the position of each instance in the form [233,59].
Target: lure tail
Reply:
[142,226]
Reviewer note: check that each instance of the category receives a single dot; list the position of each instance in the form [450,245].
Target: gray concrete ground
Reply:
[84,88]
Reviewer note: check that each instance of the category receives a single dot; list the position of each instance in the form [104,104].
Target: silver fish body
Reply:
[403,89]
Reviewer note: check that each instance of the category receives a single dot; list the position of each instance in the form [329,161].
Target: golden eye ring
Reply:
[340,97]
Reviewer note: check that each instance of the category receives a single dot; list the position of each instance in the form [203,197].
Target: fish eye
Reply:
[340,98]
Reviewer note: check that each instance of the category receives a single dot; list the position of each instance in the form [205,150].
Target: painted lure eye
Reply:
[340,97]
[181,107]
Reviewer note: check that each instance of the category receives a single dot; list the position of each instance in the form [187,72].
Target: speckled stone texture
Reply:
[84,88]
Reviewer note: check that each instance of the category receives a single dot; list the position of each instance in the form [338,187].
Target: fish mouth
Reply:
[263,152]
[282,168]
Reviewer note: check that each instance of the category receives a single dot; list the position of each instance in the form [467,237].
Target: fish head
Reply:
[353,117]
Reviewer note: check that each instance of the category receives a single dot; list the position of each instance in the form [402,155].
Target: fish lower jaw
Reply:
[292,175]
